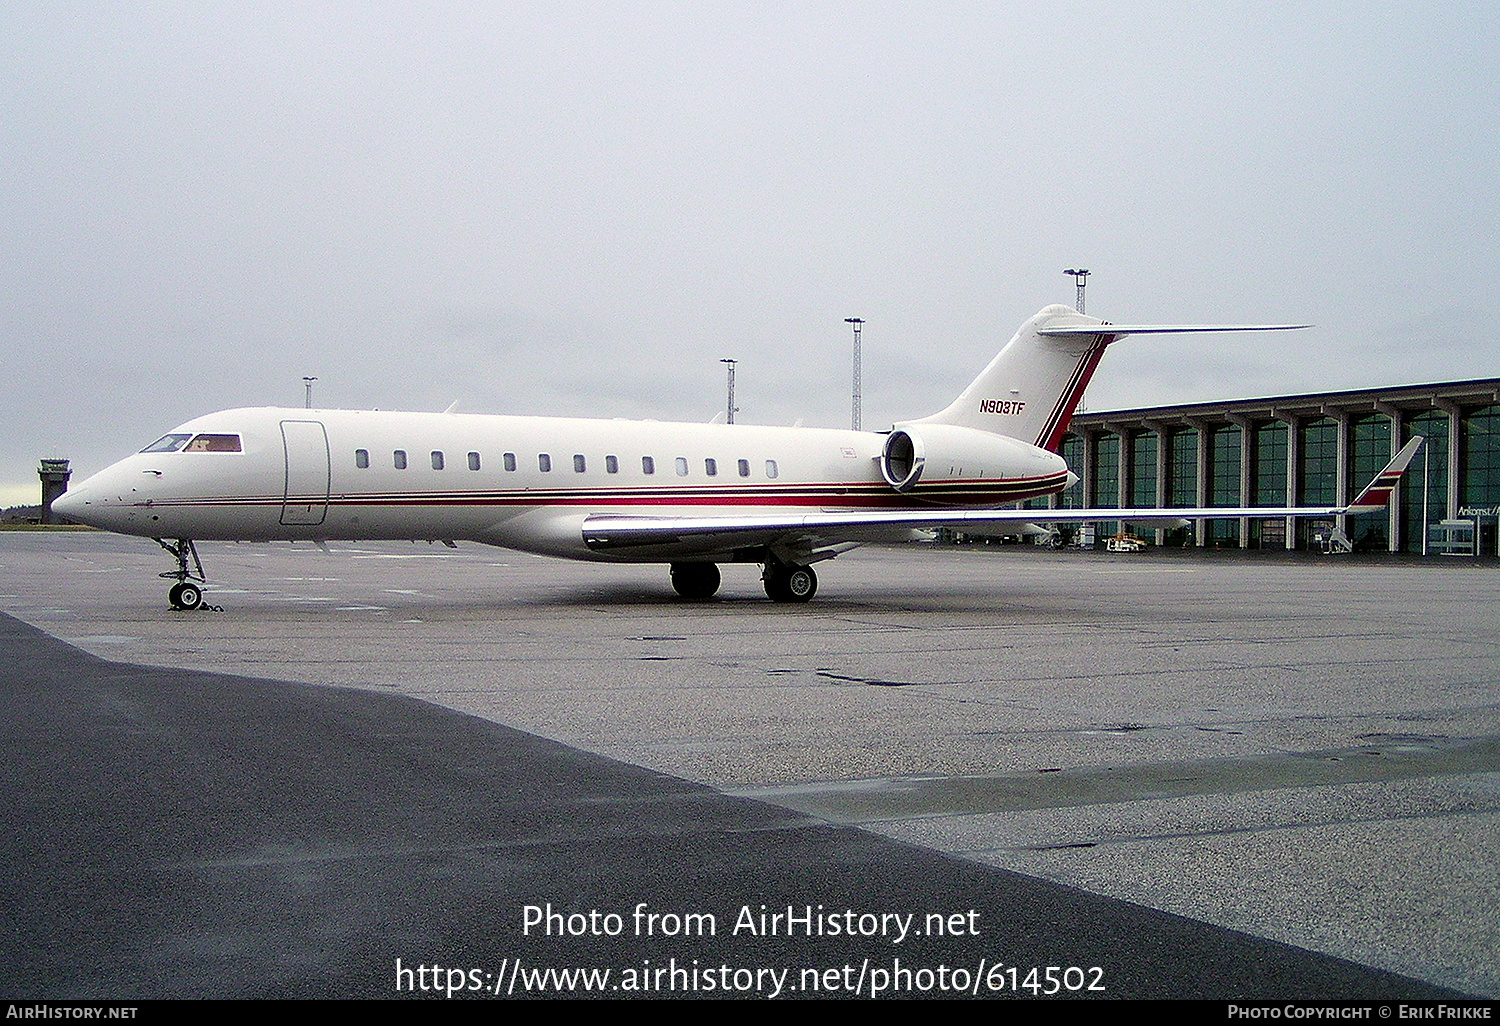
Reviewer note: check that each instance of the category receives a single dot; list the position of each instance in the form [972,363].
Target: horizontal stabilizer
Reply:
[1105,328]
[1032,386]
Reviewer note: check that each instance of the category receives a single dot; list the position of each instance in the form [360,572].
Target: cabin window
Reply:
[544,463]
[711,467]
[473,461]
[399,458]
[611,464]
[167,443]
[214,443]
[362,459]
[579,464]
[648,465]
[509,459]
[682,466]
[744,468]
[770,468]
[437,460]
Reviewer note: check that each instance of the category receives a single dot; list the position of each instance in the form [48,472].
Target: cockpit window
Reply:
[167,443]
[214,443]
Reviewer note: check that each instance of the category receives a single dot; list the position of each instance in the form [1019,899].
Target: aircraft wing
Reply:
[723,533]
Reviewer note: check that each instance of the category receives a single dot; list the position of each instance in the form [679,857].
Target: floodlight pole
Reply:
[307,381]
[731,364]
[1081,278]
[855,416]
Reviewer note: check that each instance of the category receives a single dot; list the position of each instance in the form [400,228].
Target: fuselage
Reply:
[521,482]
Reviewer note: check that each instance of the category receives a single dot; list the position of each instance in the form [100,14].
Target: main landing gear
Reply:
[695,581]
[788,582]
[785,582]
[184,594]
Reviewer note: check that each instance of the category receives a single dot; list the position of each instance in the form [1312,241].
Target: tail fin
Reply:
[1031,388]
[1377,493]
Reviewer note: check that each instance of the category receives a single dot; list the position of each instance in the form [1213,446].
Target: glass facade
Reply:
[1300,450]
[1317,470]
[1369,452]
[1143,446]
[1427,476]
[1268,481]
[1224,469]
[1182,468]
[1224,481]
[1268,465]
[1106,471]
[1479,471]
[1479,457]
[1072,454]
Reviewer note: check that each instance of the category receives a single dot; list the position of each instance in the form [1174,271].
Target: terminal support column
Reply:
[1394,522]
[1455,415]
[1341,472]
[1247,438]
[1160,430]
[1200,498]
[1090,440]
[1122,469]
[1292,497]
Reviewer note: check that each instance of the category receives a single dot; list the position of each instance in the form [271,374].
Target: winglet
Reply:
[1377,494]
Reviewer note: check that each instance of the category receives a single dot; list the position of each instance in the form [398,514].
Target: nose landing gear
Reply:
[184,594]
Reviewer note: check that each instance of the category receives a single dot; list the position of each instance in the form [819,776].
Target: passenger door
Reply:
[305,500]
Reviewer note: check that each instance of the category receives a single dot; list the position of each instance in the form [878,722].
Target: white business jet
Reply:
[689,495]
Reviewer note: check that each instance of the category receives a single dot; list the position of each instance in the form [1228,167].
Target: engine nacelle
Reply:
[937,456]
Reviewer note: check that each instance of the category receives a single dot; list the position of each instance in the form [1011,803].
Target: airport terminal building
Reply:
[1301,450]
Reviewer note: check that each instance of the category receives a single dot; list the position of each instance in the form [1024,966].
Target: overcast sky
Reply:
[581,208]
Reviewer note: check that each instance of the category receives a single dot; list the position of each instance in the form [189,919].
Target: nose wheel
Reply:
[185,594]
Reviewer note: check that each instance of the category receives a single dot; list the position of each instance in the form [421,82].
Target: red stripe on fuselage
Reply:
[955,493]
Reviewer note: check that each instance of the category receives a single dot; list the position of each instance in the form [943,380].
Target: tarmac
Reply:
[1199,775]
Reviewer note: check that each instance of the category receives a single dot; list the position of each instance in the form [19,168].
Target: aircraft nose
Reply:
[71,504]
[110,500]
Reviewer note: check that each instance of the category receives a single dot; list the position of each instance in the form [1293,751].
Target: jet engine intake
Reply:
[902,461]
[921,458]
